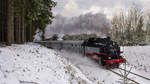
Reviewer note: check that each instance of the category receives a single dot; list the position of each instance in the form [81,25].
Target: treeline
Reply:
[132,28]
[21,18]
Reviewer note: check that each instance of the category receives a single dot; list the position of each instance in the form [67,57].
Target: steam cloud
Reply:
[84,24]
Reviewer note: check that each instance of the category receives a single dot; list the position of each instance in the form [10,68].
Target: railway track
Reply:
[124,76]
[135,74]
[130,73]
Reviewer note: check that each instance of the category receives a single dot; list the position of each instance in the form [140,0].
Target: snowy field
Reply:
[34,64]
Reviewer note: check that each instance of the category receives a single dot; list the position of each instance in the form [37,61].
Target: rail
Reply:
[124,77]
[135,74]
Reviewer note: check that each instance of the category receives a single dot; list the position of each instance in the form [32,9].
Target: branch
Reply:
[27,82]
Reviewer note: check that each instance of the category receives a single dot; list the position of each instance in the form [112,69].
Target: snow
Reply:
[94,72]
[38,35]
[137,57]
[34,64]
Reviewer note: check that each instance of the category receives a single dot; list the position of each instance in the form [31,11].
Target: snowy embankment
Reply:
[35,64]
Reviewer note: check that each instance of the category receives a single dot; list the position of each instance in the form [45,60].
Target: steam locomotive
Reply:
[109,53]
[104,50]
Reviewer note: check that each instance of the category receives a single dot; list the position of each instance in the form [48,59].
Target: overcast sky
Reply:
[71,8]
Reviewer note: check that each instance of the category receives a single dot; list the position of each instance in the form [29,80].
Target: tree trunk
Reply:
[10,28]
[31,33]
[25,34]
[16,27]
[22,29]
[19,36]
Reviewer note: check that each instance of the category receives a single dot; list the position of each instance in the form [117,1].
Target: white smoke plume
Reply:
[84,24]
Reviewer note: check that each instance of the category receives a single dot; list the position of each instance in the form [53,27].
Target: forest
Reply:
[19,19]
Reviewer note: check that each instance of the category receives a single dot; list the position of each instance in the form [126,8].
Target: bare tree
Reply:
[128,28]
[148,29]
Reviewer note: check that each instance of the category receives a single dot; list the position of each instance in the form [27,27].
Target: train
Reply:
[105,51]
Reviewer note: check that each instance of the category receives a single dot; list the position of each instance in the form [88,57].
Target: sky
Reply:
[73,8]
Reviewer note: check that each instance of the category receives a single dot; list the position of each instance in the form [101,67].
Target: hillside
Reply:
[34,64]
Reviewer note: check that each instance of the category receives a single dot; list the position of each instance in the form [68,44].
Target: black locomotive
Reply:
[109,51]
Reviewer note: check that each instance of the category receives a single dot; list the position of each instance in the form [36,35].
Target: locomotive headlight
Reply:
[109,57]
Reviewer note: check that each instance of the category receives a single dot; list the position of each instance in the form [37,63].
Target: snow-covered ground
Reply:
[138,60]
[94,72]
[34,64]
[138,57]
